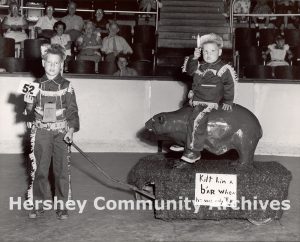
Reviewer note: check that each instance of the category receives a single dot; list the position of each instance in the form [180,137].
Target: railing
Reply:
[232,15]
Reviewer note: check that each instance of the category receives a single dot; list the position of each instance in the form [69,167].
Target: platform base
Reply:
[265,182]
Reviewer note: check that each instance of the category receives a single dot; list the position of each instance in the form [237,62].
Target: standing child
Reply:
[213,84]
[56,119]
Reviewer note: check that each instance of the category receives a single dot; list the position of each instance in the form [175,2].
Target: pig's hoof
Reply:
[260,221]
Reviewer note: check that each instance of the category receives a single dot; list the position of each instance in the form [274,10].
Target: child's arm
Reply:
[290,54]
[192,63]
[29,100]
[71,114]
[228,77]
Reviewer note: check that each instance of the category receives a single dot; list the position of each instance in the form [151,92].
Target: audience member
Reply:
[114,44]
[148,5]
[101,22]
[89,44]
[241,7]
[286,7]
[62,39]
[278,52]
[46,22]
[74,23]
[124,70]
[261,7]
[15,24]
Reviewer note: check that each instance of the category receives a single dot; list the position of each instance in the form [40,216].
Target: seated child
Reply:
[213,85]
[89,44]
[124,70]
[55,120]
[113,44]
[277,52]
[62,39]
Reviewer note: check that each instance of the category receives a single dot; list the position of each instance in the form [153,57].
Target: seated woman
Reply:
[101,22]
[124,70]
[114,44]
[45,24]
[62,39]
[278,52]
[15,24]
[89,44]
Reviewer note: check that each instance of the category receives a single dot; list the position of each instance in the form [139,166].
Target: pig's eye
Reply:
[161,119]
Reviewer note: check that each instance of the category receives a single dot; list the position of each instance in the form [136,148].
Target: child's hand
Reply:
[69,136]
[227,107]
[190,94]
[28,98]
[197,53]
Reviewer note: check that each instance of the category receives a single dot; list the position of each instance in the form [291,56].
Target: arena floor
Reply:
[122,225]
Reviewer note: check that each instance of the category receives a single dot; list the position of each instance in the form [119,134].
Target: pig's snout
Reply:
[149,124]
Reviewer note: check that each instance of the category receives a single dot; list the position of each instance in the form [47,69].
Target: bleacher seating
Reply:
[12,64]
[245,37]
[32,48]
[107,68]
[7,47]
[81,67]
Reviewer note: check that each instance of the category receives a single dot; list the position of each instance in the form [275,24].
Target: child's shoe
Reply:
[35,213]
[62,214]
[177,148]
[191,156]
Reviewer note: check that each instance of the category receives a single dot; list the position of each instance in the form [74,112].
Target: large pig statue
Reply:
[238,129]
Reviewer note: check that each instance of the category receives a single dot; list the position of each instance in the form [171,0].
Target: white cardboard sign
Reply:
[215,190]
[28,87]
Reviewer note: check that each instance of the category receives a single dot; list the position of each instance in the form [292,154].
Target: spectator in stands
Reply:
[15,24]
[124,70]
[101,22]
[89,44]
[46,22]
[148,5]
[241,7]
[114,44]
[62,39]
[261,7]
[286,7]
[74,23]
[278,52]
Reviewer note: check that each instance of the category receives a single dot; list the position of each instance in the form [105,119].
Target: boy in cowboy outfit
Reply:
[55,120]
[213,85]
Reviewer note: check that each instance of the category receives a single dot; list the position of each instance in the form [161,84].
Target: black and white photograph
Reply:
[149,120]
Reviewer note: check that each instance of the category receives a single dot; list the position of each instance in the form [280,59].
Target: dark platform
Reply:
[265,181]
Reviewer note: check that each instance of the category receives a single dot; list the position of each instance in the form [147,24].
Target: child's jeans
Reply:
[197,126]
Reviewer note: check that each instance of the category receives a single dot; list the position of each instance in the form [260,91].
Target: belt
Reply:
[208,104]
[60,125]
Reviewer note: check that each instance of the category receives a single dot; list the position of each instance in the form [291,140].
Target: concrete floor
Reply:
[106,225]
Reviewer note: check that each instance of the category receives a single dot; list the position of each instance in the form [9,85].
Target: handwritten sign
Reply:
[28,87]
[215,190]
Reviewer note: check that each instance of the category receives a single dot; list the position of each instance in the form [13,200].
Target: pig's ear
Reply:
[161,119]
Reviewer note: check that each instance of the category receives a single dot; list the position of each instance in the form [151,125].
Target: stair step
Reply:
[192,9]
[216,3]
[188,36]
[184,43]
[207,16]
[193,22]
[194,29]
